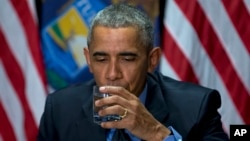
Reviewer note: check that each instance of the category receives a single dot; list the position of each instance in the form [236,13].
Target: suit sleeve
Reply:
[210,126]
[46,128]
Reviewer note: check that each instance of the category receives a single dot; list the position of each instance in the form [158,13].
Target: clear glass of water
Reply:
[98,119]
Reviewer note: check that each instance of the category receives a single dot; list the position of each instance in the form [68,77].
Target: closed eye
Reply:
[100,56]
[128,58]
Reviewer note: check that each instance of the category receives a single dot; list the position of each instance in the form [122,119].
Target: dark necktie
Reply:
[120,135]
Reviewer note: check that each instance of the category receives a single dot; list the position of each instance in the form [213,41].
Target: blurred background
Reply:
[41,50]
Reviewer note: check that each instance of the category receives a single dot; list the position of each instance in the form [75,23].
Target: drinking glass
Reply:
[98,119]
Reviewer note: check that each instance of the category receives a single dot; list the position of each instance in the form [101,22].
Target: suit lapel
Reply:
[155,102]
[87,129]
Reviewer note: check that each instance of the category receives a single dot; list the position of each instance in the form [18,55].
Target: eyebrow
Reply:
[100,54]
[127,54]
[120,54]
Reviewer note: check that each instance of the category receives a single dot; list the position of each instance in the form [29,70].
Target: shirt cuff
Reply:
[175,136]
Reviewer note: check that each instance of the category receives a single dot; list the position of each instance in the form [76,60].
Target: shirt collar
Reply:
[143,95]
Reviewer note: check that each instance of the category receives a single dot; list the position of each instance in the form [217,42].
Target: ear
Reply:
[87,57]
[154,58]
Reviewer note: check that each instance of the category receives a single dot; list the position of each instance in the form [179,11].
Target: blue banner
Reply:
[64,28]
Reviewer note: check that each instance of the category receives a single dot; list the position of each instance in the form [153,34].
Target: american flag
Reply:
[22,79]
[208,42]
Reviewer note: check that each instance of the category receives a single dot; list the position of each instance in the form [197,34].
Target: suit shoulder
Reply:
[167,83]
[73,92]
[184,92]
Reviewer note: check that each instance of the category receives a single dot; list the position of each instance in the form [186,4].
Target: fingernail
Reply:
[102,88]
[97,102]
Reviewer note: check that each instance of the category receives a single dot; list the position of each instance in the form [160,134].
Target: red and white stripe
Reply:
[22,78]
[207,42]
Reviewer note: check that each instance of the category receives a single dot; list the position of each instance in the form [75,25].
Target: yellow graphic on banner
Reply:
[70,33]
[71,23]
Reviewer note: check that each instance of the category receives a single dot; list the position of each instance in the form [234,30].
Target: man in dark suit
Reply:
[151,106]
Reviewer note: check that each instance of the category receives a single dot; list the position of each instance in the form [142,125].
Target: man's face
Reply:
[115,57]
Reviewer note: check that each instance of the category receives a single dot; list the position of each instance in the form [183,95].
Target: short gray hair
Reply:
[123,15]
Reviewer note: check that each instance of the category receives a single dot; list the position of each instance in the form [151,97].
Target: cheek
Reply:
[134,76]
[99,74]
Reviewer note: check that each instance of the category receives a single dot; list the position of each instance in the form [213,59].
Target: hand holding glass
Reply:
[98,119]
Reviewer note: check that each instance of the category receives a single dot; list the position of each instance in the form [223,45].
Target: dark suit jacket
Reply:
[188,108]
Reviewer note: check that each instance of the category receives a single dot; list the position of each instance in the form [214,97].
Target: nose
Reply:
[113,72]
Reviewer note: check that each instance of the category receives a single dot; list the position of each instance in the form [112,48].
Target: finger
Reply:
[120,124]
[113,124]
[112,89]
[116,90]
[111,100]
[113,110]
